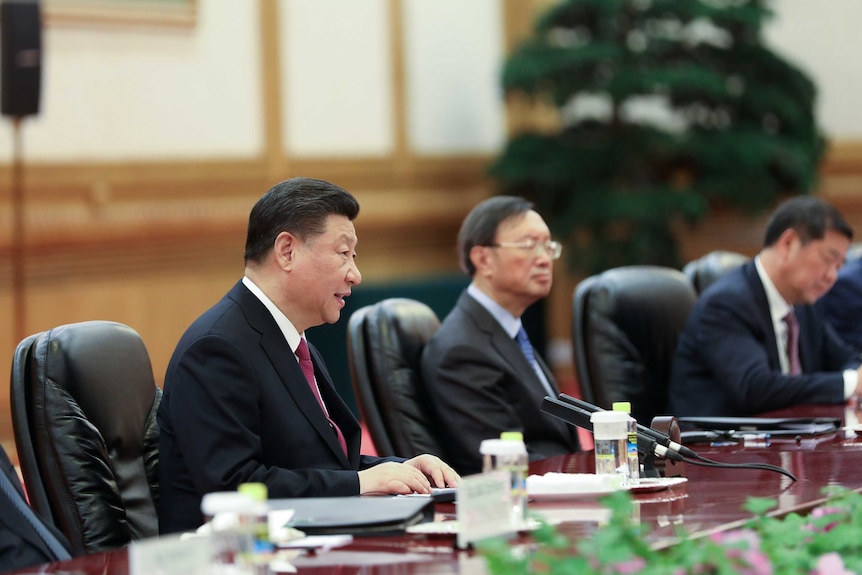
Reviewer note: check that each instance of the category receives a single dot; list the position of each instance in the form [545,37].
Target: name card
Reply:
[170,555]
[484,507]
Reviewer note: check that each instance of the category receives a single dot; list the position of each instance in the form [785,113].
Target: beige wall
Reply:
[154,141]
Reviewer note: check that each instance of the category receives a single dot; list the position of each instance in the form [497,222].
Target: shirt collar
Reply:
[290,334]
[507,321]
[778,307]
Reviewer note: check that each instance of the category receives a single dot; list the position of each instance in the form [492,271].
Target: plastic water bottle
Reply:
[222,510]
[610,432]
[510,454]
[632,441]
[254,521]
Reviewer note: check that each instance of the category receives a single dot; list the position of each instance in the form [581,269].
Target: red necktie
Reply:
[792,343]
[308,369]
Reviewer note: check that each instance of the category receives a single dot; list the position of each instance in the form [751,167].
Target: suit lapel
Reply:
[284,362]
[506,347]
[510,353]
[762,313]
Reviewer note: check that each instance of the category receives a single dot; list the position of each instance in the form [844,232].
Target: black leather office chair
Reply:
[706,269]
[84,417]
[385,342]
[625,326]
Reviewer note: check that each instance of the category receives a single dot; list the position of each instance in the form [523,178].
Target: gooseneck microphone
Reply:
[659,437]
[577,412]
[574,414]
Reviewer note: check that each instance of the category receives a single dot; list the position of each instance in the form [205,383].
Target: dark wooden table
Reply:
[710,500]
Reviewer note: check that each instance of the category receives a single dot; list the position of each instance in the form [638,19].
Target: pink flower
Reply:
[633,565]
[751,560]
[830,564]
[836,513]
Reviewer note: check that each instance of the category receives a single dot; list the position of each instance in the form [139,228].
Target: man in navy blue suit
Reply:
[754,341]
[247,399]
[24,539]
[842,306]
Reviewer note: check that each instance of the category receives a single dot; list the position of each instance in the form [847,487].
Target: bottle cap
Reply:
[609,424]
[502,447]
[623,406]
[256,491]
[224,502]
[512,436]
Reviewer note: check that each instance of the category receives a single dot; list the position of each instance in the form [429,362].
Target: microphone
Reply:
[650,442]
[580,417]
[659,437]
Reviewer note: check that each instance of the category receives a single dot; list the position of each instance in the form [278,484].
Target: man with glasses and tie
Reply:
[247,399]
[482,374]
[754,341]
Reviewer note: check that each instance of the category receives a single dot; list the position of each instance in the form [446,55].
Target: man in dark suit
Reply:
[742,353]
[481,380]
[246,399]
[21,544]
[842,305]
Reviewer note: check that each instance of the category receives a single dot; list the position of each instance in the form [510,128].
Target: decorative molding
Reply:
[159,13]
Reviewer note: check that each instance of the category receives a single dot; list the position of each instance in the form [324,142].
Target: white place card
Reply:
[171,555]
[484,507]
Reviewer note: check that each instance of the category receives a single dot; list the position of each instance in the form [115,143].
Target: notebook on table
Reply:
[774,426]
[356,515]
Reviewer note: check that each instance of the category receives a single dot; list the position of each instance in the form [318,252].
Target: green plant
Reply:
[663,109]
[827,541]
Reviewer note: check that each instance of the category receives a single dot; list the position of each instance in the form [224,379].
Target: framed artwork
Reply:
[174,13]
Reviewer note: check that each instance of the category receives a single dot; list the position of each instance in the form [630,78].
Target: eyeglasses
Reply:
[551,247]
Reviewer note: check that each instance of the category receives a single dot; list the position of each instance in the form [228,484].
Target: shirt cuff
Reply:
[851,378]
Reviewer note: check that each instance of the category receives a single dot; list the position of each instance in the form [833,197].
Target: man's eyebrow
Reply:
[833,253]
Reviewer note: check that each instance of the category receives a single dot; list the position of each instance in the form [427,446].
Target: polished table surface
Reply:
[711,499]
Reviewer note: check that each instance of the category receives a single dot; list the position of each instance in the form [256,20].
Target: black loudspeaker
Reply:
[21,61]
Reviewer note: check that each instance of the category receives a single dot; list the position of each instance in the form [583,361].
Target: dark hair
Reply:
[480,226]
[299,206]
[810,216]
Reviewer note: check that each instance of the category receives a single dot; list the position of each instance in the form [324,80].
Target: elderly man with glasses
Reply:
[480,369]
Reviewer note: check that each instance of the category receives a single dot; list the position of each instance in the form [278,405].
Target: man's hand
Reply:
[440,474]
[391,477]
[412,476]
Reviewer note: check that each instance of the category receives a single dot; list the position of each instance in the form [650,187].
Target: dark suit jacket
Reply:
[237,408]
[727,364]
[481,385]
[20,545]
[842,305]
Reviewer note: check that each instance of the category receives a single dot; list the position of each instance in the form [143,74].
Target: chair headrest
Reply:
[87,360]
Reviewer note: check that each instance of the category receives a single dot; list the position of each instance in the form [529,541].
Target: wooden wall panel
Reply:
[154,246]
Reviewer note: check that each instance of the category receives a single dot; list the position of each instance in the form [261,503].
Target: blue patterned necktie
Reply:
[50,540]
[527,349]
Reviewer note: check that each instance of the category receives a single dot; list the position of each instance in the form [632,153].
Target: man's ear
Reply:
[479,257]
[284,249]
[788,242]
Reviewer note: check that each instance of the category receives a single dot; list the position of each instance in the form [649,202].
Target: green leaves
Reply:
[666,109]
[828,540]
